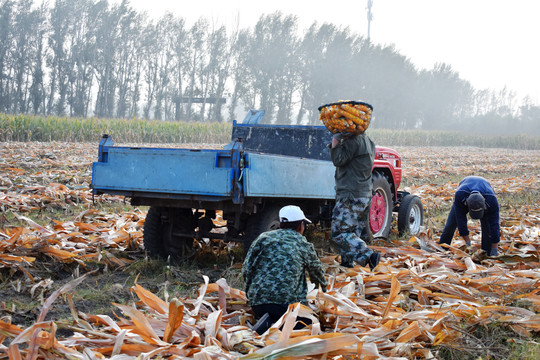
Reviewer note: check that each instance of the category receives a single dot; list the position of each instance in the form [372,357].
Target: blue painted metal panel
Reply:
[283,176]
[174,171]
[287,140]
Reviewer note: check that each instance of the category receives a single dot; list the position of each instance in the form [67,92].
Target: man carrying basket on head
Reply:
[353,154]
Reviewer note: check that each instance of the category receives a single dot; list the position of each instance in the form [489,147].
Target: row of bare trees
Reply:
[93,58]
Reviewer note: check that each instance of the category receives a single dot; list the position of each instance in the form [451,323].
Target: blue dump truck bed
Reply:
[283,176]
[263,168]
[261,161]
[209,174]
[128,170]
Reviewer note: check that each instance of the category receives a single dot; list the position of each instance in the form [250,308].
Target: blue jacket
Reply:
[491,214]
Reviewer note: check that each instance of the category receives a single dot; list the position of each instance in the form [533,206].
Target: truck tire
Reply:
[164,233]
[152,237]
[380,212]
[266,220]
[410,215]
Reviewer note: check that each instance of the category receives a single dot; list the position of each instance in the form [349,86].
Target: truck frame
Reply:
[263,168]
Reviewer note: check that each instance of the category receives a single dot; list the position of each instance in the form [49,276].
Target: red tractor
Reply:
[387,198]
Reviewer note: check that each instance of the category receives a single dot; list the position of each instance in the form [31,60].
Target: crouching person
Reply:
[275,268]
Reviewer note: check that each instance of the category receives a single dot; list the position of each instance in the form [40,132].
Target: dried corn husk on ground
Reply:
[351,117]
[421,296]
[413,301]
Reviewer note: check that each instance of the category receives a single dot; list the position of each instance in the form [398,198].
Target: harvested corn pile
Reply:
[346,116]
[420,298]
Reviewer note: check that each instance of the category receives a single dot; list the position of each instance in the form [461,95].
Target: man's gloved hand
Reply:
[336,140]
[338,136]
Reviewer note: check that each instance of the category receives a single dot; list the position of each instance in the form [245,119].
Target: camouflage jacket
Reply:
[275,268]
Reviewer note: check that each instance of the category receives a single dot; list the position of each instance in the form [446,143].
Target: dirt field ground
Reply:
[53,231]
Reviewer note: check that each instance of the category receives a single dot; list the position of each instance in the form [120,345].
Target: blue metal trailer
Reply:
[263,168]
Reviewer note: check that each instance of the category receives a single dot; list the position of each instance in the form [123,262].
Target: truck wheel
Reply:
[380,212]
[410,215]
[165,233]
[258,223]
[152,237]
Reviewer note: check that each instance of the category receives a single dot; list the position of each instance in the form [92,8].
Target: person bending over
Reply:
[476,197]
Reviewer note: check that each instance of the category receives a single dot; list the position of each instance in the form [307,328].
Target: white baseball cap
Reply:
[291,213]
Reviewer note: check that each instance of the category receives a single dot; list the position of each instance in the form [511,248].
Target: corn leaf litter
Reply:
[416,299]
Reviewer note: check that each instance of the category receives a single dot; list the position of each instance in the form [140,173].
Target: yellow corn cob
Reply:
[331,111]
[349,116]
[352,110]
[345,117]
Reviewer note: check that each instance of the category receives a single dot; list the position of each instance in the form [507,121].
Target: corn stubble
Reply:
[419,299]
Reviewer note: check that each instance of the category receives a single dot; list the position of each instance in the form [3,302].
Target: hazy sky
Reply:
[491,43]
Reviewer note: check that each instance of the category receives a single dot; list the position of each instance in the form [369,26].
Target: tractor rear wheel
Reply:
[380,212]
[410,215]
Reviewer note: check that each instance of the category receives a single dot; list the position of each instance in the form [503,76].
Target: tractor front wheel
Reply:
[410,215]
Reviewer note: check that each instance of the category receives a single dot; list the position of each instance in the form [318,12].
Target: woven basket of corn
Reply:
[346,116]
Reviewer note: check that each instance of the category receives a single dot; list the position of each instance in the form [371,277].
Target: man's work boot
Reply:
[374,260]
[262,325]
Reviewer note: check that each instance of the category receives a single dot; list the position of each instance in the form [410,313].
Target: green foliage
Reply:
[520,199]
[524,350]
[106,58]
[148,267]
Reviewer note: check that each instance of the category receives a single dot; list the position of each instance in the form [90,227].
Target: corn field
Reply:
[44,129]
[26,128]
[388,137]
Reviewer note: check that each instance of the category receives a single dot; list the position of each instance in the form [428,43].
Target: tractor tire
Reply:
[258,223]
[380,212]
[410,215]
[152,234]
[161,231]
